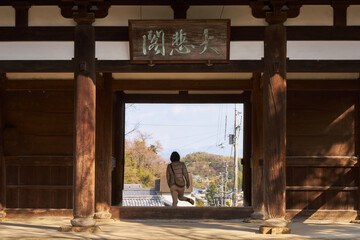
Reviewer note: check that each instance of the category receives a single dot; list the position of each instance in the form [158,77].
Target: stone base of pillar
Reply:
[255,217]
[92,229]
[274,226]
[102,215]
[83,222]
[275,230]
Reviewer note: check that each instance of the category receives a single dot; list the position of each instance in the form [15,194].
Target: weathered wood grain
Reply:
[84,122]
[257,141]
[274,121]
[103,145]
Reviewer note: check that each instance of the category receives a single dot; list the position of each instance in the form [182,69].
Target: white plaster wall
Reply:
[241,16]
[112,50]
[36,50]
[322,50]
[157,12]
[7,17]
[119,15]
[311,15]
[246,50]
[204,12]
[353,15]
[48,16]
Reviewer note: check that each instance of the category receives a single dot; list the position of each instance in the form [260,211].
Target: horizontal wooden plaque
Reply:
[179,41]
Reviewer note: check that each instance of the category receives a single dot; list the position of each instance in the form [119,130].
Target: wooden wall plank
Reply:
[321,161]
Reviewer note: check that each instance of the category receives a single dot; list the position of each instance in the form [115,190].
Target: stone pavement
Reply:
[47,227]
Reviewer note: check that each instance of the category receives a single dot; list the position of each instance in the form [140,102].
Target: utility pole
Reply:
[236,164]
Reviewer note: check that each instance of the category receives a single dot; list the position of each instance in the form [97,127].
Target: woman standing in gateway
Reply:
[176,172]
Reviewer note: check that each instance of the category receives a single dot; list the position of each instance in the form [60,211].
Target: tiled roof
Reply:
[143,201]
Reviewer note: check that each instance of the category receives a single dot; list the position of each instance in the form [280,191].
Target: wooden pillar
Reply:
[247,151]
[257,186]
[2,161]
[103,150]
[274,117]
[84,137]
[119,147]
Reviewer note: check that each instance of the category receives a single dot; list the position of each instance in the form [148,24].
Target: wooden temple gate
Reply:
[302,139]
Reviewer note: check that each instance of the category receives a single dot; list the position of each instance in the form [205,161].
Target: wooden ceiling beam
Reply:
[182,85]
[168,2]
[254,33]
[189,98]
[233,66]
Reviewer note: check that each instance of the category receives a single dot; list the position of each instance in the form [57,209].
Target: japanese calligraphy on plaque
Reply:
[179,41]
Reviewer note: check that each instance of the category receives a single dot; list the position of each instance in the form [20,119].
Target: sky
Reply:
[186,128]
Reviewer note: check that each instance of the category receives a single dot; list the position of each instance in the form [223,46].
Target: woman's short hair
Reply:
[174,157]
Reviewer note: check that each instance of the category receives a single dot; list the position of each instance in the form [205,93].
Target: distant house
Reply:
[134,195]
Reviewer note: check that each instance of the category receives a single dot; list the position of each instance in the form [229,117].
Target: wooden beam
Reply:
[103,148]
[233,66]
[247,177]
[39,160]
[219,213]
[257,201]
[190,98]
[274,121]
[340,10]
[323,65]
[180,8]
[39,85]
[84,124]
[119,146]
[21,13]
[184,85]
[323,85]
[2,160]
[181,85]
[168,2]
[321,188]
[51,187]
[321,161]
[253,33]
